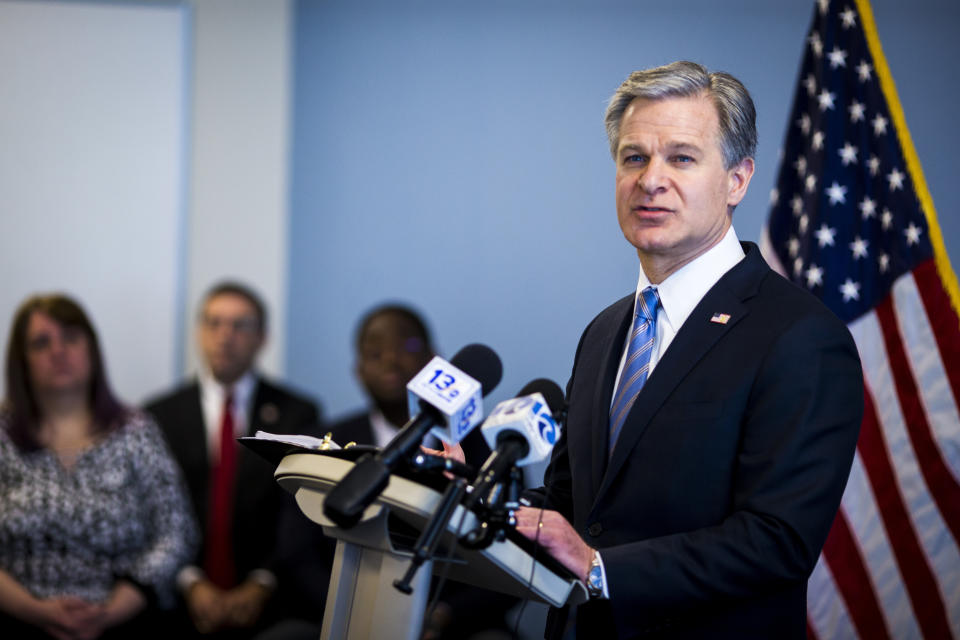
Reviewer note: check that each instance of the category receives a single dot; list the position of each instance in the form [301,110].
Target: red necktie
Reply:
[219,546]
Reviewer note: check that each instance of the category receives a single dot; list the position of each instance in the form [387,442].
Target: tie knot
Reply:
[647,304]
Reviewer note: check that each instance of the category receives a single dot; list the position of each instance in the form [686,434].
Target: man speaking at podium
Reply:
[714,412]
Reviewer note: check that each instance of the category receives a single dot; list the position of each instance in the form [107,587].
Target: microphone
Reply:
[447,393]
[521,431]
[426,462]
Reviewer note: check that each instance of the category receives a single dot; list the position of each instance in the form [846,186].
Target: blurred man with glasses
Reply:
[227,590]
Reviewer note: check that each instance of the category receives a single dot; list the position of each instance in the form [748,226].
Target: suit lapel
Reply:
[193,431]
[611,349]
[693,341]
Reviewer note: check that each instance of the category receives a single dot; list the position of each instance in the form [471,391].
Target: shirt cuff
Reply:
[603,574]
[264,578]
[187,577]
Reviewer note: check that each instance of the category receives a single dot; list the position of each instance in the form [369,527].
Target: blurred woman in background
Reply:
[94,518]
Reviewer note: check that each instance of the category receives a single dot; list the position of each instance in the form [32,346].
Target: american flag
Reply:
[852,221]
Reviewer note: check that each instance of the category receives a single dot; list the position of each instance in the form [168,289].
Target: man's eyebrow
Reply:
[670,146]
[683,146]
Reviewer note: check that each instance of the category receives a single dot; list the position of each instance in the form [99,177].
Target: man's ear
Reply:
[739,179]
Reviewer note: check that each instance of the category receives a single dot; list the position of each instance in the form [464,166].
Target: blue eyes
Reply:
[636,159]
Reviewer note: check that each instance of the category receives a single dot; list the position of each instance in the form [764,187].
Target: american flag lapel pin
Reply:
[720,318]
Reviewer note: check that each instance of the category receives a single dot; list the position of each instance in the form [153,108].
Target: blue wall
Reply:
[452,155]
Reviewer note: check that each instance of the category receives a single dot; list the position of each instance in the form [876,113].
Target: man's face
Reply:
[392,351]
[230,336]
[673,192]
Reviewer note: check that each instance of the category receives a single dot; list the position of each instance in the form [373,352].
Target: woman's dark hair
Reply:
[20,404]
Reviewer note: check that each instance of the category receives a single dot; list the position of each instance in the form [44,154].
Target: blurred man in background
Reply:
[229,587]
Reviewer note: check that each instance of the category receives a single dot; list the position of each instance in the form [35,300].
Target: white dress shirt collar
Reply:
[682,291]
[383,429]
[684,288]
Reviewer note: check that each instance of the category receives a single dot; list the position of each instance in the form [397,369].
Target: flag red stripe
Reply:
[940,482]
[811,634]
[846,563]
[943,320]
[918,577]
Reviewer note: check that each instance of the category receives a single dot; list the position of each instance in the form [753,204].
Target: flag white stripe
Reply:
[827,612]
[860,507]
[932,532]
[929,372]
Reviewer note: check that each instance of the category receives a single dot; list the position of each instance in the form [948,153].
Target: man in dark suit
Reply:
[714,412]
[229,587]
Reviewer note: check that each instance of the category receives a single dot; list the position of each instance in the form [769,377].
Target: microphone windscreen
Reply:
[481,363]
[550,390]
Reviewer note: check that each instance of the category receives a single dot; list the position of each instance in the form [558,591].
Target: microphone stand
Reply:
[426,545]
[499,512]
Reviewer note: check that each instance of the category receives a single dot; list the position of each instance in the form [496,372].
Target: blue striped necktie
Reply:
[638,361]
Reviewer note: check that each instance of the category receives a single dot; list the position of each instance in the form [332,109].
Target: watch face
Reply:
[595,579]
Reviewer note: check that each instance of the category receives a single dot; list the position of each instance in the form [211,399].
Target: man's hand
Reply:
[557,536]
[205,602]
[452,451]
[245,602]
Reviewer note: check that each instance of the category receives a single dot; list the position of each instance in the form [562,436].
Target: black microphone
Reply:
[369,477]
[426,462]
[520,431]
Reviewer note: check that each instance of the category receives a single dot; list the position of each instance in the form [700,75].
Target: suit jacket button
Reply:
[595,529]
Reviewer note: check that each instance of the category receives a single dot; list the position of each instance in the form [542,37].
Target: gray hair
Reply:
[737,115]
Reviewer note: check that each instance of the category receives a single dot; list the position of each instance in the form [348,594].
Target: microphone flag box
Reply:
[457,396]
[530,417]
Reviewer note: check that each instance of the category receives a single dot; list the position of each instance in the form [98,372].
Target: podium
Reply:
[362,603]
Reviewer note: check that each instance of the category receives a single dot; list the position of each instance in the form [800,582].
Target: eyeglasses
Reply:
[243,324]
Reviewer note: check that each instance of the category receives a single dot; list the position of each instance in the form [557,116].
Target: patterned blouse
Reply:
[121,512]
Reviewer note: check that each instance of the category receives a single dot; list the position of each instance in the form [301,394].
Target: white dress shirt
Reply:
[679,294]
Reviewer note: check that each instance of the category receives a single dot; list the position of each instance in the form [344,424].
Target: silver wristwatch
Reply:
[595,577]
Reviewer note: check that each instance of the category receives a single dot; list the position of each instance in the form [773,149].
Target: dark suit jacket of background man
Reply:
[729,468]
[257,495]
